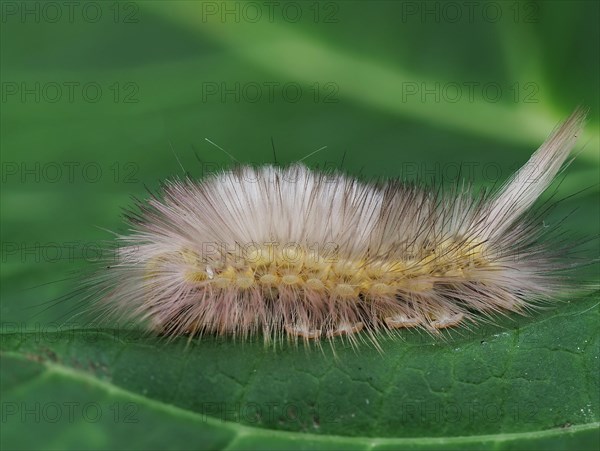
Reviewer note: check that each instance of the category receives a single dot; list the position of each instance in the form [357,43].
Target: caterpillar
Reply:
[308,255]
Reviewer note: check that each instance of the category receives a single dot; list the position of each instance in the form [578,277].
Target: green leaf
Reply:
[532,385]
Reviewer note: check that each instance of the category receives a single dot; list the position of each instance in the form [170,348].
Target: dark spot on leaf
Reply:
[34,357]
[50,354]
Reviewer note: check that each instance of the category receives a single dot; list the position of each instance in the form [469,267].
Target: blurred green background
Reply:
[98,97]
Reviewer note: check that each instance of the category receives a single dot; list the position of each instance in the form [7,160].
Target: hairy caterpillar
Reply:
[290,251]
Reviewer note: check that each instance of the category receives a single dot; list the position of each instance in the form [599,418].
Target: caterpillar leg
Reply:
[445,320]
[400,321]
[303,331]
[345,329]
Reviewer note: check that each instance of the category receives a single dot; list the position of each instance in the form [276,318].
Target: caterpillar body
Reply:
[288,251]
